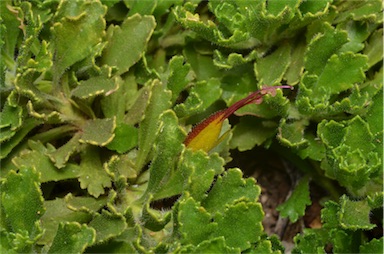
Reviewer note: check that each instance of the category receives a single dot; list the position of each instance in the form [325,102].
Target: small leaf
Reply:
[322,46]
[158,102]
[179,76]
[11,117]
[198,171]
[61,155]
[22,209]
[126,43]
[126,138]
[200,97]
[45,167]
[71,237]
[296,204]
[80,24]
[93,176]
[209,30]
[229,189]
[140,7]
[354,215]
[308,243]
[122,165]
[246,218]
[98,132]
[168,147]
[341,72]
[215,245]
[7,147]
[194,222]
[291,134]
[119,101]
[251,132]
[270,69]
[373,246]
[137,110]
[233,59]
[58,211]
[195,173]
[374,50]
[153,219]
[94,86]
[82,204]
[107,225]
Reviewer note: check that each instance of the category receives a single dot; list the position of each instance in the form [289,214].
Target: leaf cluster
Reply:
[97,98]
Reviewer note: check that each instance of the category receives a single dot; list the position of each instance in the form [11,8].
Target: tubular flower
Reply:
[205,135]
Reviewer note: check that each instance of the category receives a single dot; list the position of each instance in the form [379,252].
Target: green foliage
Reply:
[97,97]
[297,202]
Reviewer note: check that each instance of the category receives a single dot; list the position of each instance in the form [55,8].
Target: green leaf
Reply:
[373,246]
[341,72]
[194,222]
[22,209]
[137,110]
[296,204]
[270,69]
[233,59]
[354,215]
[308,243]
[200,97]
[314,150]
[71,237]
[40,161]
[202,65]
[125,138]
[322,46]
[10,121]
[107,225]
[331,133]
[95,86]
[82,204]
[127,43]
[291,134]
[246,218]
[168,146]
[7,147]
[209,31]
[143,8]
[122,165]
[80,24]
[351,158]
[153,219]
[194,173]
[61,155]
[215,245]
[9,36]
[229,189]
[98,132]
[269,244]
[119,101]
[376,123]
[296,67]
[373,49]
[198,171]
[361,10]
[179,76]
[159,101]
[68,209]
[93,176]
[11,117]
